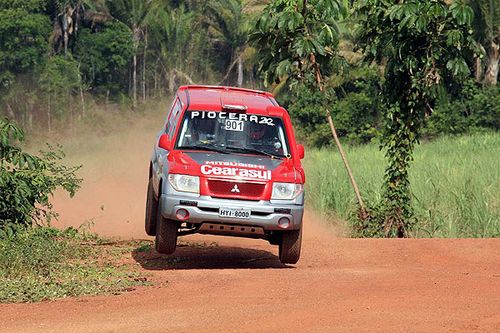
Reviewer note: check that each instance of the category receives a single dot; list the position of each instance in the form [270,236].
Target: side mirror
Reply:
[165,142]
[300,151]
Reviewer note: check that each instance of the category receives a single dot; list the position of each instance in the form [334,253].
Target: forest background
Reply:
[70,64]
[60,58]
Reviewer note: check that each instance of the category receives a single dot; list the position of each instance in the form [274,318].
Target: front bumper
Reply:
[265,214]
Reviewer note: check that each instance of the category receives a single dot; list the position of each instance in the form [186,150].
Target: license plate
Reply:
[237,213]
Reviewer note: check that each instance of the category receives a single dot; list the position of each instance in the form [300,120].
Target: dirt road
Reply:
[340,285]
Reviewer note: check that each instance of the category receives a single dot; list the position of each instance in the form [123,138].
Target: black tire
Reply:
[151,210]
[166,234]
[290,245]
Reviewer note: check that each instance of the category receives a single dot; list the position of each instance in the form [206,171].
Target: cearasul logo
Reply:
[238,170]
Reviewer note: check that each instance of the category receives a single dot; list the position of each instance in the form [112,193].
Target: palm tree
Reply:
[172,30]
[228,25]
[134,13]
[69,17]
[487,33]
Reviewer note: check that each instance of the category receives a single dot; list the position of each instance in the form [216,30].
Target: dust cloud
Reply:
[115,170]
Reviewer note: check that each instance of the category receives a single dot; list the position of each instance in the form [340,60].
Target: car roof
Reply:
[214,98]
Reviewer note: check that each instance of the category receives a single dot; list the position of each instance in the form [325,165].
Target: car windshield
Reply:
[233,132]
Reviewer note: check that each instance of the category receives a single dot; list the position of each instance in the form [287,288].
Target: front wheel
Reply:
[166,234]
[151,210]
[290,245]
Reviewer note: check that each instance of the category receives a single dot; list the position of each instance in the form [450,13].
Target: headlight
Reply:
[286,191]
[184,183]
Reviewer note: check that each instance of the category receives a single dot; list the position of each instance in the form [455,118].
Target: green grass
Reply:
[455,184]
[45,264]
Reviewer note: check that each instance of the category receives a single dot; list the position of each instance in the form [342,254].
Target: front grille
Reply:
[229,189]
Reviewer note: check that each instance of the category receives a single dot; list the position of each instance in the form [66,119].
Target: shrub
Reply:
[474,108]
[43,263]
[27,181]
[355,109]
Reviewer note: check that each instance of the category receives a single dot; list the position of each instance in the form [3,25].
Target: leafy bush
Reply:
[484,108]
[355,109]
[27,181]
[474,108]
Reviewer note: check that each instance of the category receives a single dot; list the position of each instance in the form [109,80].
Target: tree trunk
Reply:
[171,81]
[478,70]
[30,117]
[10,112]
[136,39]
[107,101]
[49,124]
[144,58]
[363,215]
[491,75]
[134,83]
[156,80]
[240,71]
[82,100]
[82,96]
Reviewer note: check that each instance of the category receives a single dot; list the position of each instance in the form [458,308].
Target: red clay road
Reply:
[340,285]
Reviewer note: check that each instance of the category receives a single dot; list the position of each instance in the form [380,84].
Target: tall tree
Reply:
[70,15]
[134,13]
[228,26]
[424,43]
[487,32]
[171,31]
[297,42]
[24,31]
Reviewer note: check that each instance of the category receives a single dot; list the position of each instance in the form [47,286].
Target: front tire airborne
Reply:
[151,210]
[166,234]
[290,245]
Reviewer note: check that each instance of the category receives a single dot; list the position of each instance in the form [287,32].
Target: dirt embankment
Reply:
[239,285]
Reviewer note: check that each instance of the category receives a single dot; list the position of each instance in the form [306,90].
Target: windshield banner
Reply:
[233,116]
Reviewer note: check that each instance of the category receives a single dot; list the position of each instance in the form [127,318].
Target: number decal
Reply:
[235,125]
[266,121]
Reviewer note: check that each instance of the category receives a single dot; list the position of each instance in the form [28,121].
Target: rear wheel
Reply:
[290,245]
[151,210]
[166,234]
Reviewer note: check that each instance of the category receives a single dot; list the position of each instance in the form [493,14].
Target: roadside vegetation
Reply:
[44,263]
[38,262]
[455,182]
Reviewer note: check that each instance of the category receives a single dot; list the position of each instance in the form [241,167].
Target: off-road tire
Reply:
[151,210]
[166,234]
[290,245]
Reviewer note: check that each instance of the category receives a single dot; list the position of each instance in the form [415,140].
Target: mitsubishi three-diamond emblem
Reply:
[235,189]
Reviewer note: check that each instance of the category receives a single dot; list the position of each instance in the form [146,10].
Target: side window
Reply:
[174,118]
[171,115]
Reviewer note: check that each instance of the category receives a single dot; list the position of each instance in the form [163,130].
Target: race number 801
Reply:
[235,125]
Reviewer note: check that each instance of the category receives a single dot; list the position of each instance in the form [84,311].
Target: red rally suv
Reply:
[226,163]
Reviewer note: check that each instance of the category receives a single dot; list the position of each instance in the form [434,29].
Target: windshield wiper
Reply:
[254,151]
[207,148]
